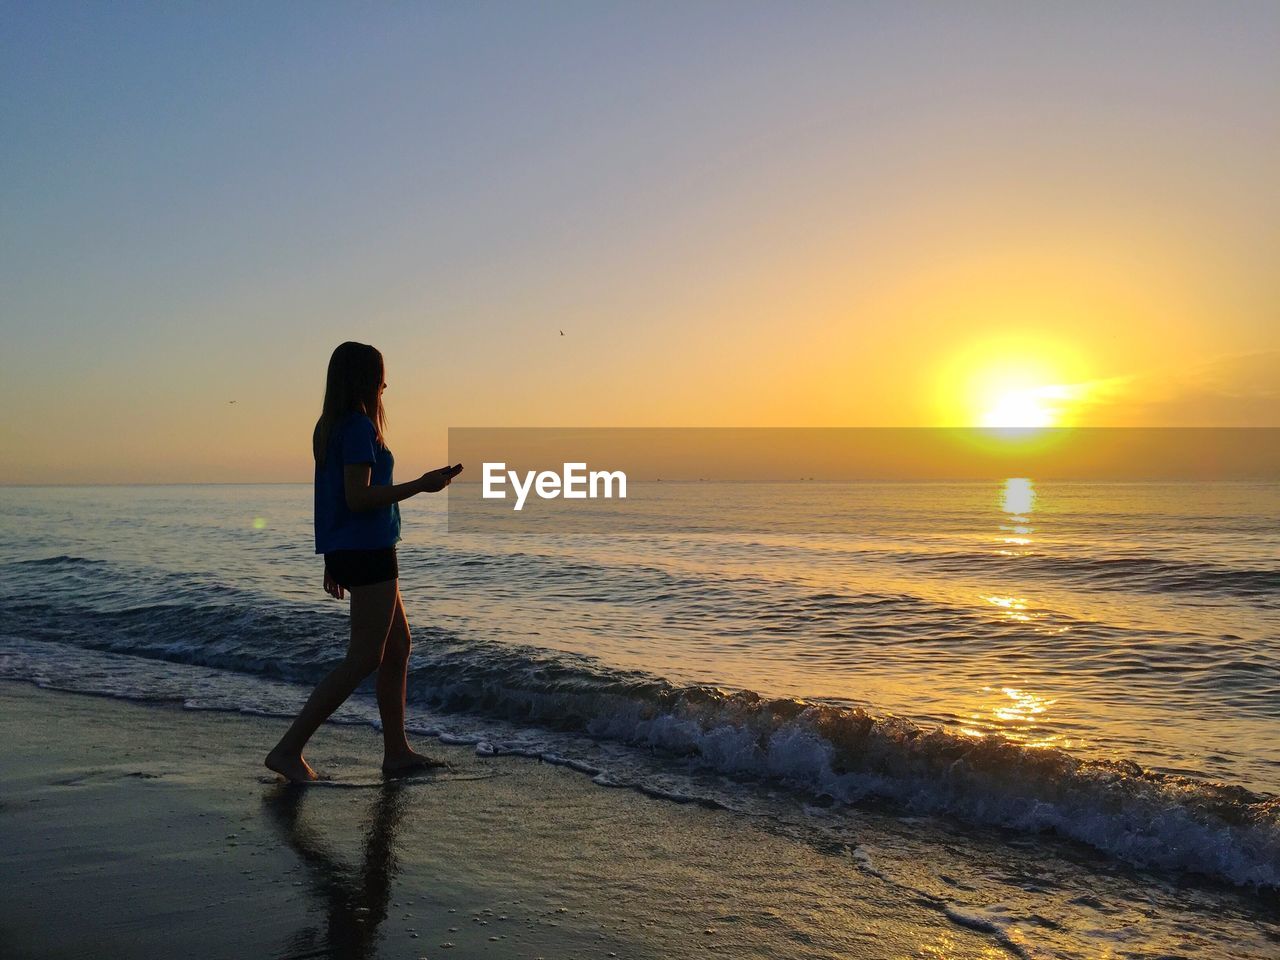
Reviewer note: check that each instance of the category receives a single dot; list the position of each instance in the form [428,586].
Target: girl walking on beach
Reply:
[357,527]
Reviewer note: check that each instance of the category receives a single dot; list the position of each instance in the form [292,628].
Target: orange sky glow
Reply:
[841,217]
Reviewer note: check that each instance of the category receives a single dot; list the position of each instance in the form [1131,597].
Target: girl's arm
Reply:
[361,496]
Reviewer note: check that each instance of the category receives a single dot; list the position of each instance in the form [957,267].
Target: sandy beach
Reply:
[148,831]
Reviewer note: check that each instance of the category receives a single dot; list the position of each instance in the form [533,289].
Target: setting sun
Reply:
[1019,381]
[1019,408]
[1046,406]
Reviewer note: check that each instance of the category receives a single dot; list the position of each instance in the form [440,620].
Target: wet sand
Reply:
[136,830]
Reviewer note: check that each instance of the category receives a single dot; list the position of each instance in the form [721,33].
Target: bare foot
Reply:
[403,764]
[292,768]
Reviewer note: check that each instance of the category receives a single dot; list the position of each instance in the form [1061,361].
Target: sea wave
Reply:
[1146,818]
[1151,574]
[61,560]
[818,748]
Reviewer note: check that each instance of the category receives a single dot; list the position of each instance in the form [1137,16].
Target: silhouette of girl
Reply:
[357,528]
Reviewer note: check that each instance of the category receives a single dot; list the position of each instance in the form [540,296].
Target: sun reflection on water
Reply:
[1019,716]
[1017,499]
[1013,608]
[1019,496]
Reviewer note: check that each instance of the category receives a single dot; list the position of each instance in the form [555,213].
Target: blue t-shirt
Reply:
[353,440]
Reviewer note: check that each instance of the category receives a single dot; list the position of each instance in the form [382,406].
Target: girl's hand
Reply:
[436,480]
[332,587]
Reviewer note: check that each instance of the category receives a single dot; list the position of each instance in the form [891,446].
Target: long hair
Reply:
[353,384]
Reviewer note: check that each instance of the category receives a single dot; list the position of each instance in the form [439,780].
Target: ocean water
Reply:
[1092,669]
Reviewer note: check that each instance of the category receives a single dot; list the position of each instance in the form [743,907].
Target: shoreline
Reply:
[159,832]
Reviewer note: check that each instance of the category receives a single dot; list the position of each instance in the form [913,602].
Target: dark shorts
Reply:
[359,568]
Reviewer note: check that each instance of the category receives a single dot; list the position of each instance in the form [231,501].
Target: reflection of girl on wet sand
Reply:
[357,527]
[355,899]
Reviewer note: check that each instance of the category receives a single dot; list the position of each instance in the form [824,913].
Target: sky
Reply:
[739,214]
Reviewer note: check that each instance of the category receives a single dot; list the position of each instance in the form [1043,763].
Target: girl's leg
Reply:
[392,677]
[398,758]
[373,608]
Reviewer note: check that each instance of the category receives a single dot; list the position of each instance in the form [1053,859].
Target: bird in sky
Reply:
[562,333]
